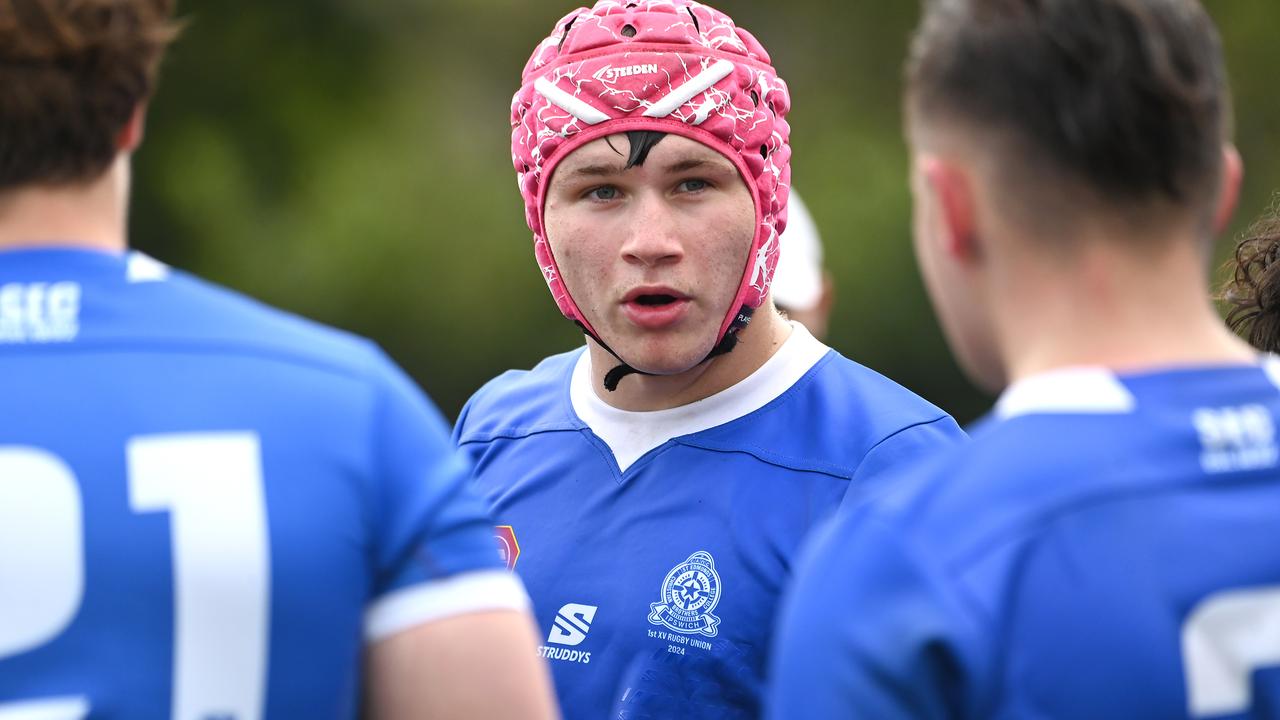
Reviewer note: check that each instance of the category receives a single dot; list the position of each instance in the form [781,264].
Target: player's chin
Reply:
[668,353]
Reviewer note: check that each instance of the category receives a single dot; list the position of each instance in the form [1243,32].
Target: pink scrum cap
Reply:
[672,66]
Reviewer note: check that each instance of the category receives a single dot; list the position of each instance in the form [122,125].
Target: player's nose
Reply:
[654,237]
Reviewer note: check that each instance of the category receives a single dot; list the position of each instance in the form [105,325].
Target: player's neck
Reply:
[1118,310]
[758,342]
[88,215]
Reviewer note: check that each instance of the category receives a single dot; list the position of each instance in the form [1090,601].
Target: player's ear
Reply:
[130,136]
[1229,194]
[827,300]
[952,196]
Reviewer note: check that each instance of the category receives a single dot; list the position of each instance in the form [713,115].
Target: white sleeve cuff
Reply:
[469,592]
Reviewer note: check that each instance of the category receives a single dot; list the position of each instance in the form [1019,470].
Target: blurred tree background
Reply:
[349,160]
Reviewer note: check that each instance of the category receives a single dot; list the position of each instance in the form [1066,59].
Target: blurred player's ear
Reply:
[827,300]
[130,136]
[953,198]
[1232,176]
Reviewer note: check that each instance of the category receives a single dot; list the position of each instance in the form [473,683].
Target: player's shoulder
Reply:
[226,321]
[831,418]
[1004,483]
[858,395]
[134,301]
[1064,443]
[522,402]
[964,525]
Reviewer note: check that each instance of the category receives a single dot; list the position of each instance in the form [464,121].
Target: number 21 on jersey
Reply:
[211,485]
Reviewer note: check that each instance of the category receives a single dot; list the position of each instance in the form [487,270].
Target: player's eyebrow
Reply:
[596,170]
[693,164]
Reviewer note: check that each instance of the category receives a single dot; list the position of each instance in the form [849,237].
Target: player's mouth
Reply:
[655,307]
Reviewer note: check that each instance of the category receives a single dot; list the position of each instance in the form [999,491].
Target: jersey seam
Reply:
[846,472]
[517,433]
[901,430]
[756,452]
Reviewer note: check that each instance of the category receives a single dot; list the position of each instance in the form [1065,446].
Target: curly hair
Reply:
[1254,288]
[73,72]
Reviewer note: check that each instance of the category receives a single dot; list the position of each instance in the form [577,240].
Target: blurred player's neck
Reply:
[1116,307]
[640,393]
[90,215]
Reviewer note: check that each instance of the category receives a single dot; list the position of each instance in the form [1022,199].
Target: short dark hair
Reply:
[1253,292]
[641,141]
[1127,97]
[71,74]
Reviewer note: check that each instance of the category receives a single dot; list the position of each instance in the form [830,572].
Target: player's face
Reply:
[952,276]
[653,254]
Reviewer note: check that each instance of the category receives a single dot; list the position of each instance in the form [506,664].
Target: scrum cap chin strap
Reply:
[726,345]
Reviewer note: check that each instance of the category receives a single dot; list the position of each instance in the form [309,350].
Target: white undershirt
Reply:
[631,434]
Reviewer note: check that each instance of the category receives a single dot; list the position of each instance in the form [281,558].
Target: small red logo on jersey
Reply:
[508,548]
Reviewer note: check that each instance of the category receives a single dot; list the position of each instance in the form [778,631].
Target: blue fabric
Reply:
[1048,568]
[364,492]
[680,560]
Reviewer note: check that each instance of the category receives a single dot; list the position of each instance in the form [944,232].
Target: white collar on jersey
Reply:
[1083,390]
[144,268]
[1271,366]
[632,434]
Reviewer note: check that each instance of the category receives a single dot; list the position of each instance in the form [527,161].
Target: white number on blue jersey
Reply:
[212,486]
[1225,638]
[41,552]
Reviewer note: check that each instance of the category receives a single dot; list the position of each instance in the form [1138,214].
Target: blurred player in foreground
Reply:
[1106,546]
[657,482]
[802,288]
[208,509]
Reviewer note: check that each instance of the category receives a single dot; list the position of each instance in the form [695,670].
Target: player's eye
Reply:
[693,185]
[604,192]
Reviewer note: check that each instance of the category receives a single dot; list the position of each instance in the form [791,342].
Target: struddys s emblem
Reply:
[689,594]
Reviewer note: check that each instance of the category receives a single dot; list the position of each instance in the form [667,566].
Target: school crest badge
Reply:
[689,593]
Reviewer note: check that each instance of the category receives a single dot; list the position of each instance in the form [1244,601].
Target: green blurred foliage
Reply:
[349,160]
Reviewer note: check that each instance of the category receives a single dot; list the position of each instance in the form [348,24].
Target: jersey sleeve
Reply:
[433,550]
[866,633]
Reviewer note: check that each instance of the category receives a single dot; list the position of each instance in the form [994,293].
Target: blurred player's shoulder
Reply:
[1067,443]
[166,309]
[522,402]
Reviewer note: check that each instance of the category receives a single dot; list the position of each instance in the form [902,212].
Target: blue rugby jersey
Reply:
[209,507]
[655,545]
[1106,547]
